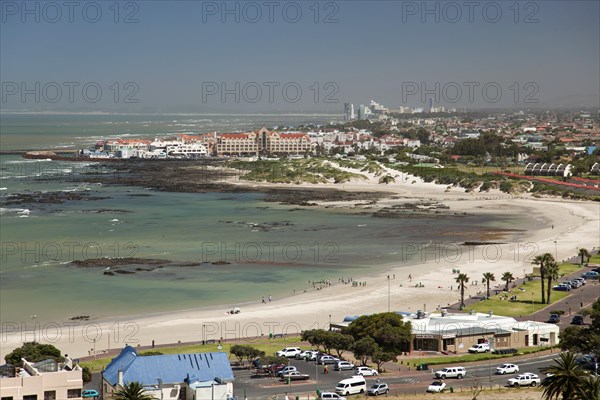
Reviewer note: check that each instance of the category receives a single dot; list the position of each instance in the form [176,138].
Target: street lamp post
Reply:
[33,317]
[203,333]
[389,285]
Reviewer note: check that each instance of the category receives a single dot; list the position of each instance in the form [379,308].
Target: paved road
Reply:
[405,382]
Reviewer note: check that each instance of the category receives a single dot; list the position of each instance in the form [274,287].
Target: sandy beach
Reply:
[565,225]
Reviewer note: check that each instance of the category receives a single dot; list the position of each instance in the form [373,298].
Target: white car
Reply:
[507,369]
[436,387]
[288,352]
[302,355]
[526,379]
[479,348]
[331,396]
[366,371]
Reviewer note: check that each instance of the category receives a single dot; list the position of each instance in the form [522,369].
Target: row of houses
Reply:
[547,169]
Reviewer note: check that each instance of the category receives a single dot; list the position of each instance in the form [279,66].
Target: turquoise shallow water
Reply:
[270,249]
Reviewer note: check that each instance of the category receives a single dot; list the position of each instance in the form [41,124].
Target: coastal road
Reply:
[405,382]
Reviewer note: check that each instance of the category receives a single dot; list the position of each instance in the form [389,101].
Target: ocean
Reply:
[225,249]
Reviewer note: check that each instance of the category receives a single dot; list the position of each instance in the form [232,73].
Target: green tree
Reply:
[508,278]
[131,391]
[462,279]
[487,278]
[381,357]
[364,348]
[86,374]
[590,388]
[552,270]
[338,342]
[542,260]
[33,352]
[565,380]
[584,254]
[388,330]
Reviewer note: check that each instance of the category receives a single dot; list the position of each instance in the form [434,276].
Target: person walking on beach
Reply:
[263,300]
[153,344]
[270,298]
[409,277]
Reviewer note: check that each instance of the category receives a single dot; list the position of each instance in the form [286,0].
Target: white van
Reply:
[356,384]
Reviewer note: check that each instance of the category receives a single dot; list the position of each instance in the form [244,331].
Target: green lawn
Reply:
[529,297]
[465,358]
[266,345]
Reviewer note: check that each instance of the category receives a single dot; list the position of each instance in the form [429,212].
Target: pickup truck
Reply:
[526,379]
[295,376]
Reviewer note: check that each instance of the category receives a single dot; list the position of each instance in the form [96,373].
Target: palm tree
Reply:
[461,279]
[584,253]
[508,278]
[552,271]
[131,391]
[590,389]
[542,260]
[487,278]
[566,378]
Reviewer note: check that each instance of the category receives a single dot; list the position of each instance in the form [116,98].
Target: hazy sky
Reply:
[178,56]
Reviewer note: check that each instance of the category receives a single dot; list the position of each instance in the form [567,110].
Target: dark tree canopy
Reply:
[33,352]
[388,330]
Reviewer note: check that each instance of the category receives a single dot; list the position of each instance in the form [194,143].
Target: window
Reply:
[50,395]
[73,393]
[6,398]
[30,397]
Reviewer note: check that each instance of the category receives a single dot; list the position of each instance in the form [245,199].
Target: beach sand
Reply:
[564,225]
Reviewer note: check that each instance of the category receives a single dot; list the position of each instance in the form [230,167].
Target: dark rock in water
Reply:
[221,263]
[109,273]
[111,262]
[124,271]
[139,195]
[80,318]
[48,198]
[480,243]
[108,211]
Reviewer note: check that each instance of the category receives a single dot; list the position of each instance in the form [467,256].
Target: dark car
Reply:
[554,318]
[577,320]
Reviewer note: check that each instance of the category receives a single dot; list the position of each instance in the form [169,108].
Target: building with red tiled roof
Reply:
[262,142]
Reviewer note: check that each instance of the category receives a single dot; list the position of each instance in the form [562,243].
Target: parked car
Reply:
[590,275]
[451,372]
[343,366]
[90,393]
[562,288]
[286,370]
[436,387]
[526,379]
[378,388]
[328,360]
[581,280]
[355,384]
[554,319]
[575,284]
[479,348]
[577,320]
[331,396]
[295,376]
[288,352]
[507,369]
[303,354]
[366,371]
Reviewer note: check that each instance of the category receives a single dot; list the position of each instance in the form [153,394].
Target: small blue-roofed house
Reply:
[197,376]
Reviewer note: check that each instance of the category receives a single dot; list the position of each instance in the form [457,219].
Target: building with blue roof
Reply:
[195,376]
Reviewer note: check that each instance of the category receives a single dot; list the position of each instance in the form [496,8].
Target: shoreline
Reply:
[575,224]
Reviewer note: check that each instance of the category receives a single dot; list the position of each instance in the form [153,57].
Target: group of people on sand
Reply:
[263,299]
